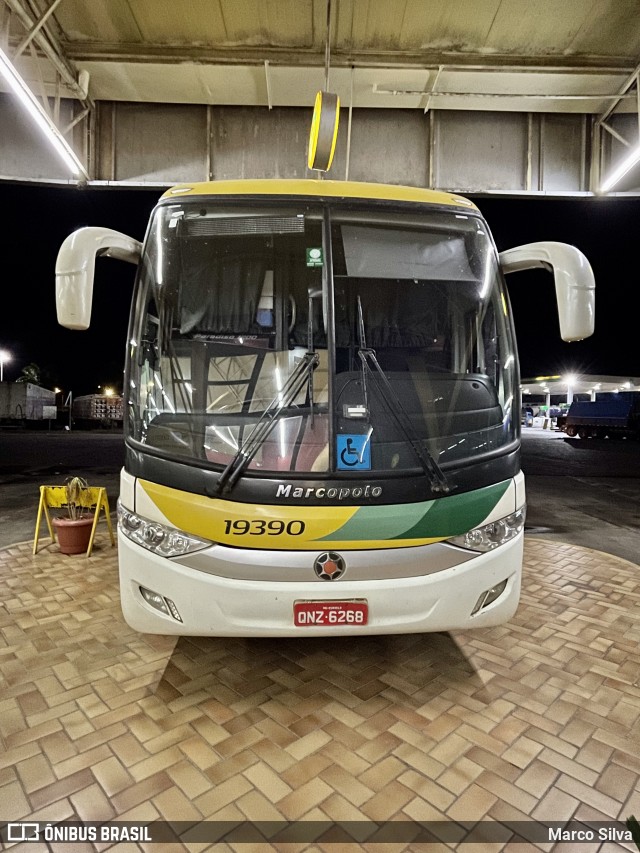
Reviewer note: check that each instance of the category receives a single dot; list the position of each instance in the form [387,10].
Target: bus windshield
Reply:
[320,339]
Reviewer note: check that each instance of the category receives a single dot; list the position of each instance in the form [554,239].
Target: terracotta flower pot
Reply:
[73,534]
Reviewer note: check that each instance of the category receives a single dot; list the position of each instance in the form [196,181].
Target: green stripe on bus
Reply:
[457,514]
[380,522]
[435,519]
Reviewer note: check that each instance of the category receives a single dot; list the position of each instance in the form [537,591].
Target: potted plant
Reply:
[74,527]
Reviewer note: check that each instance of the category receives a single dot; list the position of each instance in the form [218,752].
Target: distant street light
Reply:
[4,356]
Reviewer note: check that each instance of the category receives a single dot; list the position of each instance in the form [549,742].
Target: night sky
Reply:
[37,219]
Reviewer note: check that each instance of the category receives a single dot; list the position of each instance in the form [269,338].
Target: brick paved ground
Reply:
[536,719]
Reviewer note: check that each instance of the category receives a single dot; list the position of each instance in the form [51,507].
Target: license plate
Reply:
[330,614]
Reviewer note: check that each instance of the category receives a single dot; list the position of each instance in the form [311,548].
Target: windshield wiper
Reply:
[368,357]
[301,376]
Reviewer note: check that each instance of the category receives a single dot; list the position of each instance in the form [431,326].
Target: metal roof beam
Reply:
[35,29]
[211,55]
[50,47]
[631,79]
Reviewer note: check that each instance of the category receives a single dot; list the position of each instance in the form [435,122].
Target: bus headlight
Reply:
[156,537]
[492,535]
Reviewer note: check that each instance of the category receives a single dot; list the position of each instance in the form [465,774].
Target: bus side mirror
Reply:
[75,267]
[575,284]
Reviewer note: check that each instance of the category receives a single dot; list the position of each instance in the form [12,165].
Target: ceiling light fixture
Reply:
[37,113]
[627,164]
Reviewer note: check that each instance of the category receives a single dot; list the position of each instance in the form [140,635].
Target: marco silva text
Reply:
[604,833]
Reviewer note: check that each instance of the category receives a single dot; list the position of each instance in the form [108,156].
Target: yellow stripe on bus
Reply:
[263,526]
[308,187]
[247,525]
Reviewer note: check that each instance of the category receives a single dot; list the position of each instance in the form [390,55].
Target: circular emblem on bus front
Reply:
[329,566]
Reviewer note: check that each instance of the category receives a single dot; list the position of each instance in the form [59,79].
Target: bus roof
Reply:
[321,188]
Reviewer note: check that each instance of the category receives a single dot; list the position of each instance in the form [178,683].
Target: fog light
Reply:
[494,593]
[159,602]
[489,596]
[174,610]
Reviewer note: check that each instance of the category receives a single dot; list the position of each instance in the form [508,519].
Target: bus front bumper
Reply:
[202,604]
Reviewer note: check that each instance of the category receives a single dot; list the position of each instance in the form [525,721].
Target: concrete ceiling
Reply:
[543,56]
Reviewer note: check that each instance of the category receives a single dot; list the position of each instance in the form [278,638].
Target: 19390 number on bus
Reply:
[260,527]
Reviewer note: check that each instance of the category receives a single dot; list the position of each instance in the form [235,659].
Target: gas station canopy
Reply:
[567,386]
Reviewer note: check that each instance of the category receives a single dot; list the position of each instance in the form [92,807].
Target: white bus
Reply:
[322,408]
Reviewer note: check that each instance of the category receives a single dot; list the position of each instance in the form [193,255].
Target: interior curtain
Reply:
[220,295]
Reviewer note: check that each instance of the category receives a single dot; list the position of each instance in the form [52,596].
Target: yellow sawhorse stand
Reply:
[54,497]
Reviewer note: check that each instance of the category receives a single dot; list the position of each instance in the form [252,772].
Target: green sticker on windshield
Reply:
[314,257]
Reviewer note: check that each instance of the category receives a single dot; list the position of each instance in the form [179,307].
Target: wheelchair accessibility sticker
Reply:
[354,452]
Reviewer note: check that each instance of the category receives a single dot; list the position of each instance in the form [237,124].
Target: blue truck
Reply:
[617,417]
